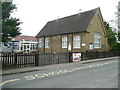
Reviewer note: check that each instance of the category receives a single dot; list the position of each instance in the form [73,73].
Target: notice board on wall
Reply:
[76,56]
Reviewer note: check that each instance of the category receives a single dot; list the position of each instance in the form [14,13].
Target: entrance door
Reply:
[26,48]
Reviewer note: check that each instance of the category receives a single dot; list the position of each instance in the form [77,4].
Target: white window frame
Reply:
[97,40]
[64,42]
[46,42]
[40,43]
[76,42]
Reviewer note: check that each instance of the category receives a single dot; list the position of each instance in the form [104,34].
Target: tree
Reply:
[10,25]
[116,22]
[111,38]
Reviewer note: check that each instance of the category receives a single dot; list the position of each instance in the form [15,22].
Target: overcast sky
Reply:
[36,13]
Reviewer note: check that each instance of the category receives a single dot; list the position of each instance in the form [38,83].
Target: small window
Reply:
[64,42]
[47,43]
[97,40]
[21,47]
[40,43]
[76,42]
[31,46]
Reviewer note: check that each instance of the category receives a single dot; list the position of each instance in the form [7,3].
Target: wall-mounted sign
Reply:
[83,44]
[91,46]
[76,56]
[103,46]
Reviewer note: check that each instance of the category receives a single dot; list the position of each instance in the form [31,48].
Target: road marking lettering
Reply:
[56,72]
[78,68]
[107,63]
[93,65]
[62,71]
[51,73]
[98,65]
[84,67]
[110,62]
[39,75]
[90,66]
[69,70]
[45,74]
[29,77]
[8,81]
[101,64]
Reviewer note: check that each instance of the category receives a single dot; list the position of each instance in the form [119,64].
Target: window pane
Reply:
[97,40]
[76,42]
[64,42]
[47,43]
[40,43]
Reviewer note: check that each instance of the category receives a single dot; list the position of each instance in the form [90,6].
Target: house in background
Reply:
[77,33]
[21,43]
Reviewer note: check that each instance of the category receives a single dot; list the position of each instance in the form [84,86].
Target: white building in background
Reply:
[24,44]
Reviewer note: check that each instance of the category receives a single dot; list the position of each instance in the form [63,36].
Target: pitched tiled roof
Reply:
[25,37]
[71,24]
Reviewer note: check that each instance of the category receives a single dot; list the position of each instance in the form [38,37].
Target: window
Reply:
[16,46]
[40,43]
[47,43]
[97,40]
[76,42]
[31,46]
[64,42]
[21,47]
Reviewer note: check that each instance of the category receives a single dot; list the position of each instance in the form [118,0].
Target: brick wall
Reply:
[53,58]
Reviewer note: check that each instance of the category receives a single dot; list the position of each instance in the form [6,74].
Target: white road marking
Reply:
[107,63]
[39,75]
[29,77]
[70,70]
[62,71]
[55,73]
[45,74]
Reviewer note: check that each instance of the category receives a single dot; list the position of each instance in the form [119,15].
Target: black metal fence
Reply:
[95,55]
[15,60]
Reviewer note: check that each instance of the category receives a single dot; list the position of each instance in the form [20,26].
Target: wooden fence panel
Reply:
[14,60]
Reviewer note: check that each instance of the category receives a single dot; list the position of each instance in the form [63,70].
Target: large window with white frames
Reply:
[40,43]
[64,42]
[97,40]
[76,41]
[47,43]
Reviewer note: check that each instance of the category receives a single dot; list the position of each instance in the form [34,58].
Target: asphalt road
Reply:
[103,74]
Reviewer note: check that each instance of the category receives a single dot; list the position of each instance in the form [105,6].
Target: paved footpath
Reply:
[30,69]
